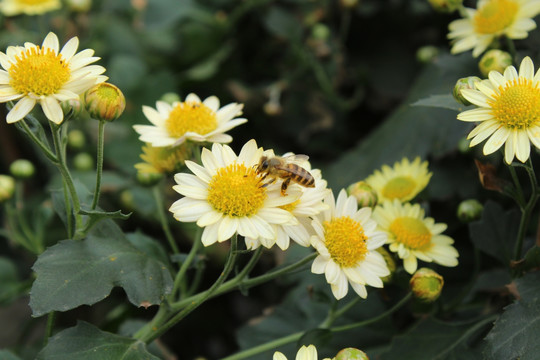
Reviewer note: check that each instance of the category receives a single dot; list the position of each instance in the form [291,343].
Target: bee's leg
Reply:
[284,186]
[273,180]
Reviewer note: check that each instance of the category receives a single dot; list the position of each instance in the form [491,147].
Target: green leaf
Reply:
[78,272]
[445,101]
[8,355]
[149,246]
[495,233]
[431,340]
[96,215]
[282,23]
[86,342]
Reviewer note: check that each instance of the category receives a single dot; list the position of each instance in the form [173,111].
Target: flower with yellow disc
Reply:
[413,236]
[508,110]
[28,7]
[347,239]
[192,119]
[225,196]
[490,20]
[304,353]
[46,75]
[403,181]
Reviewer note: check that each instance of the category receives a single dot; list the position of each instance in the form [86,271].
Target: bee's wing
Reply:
[295,158]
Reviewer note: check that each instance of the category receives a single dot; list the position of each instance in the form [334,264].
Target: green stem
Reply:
[99,166]
[163,219]
[229,265]
[49,327]
[180,276]
[271,345]
[511,49]
[48,153]
[527,211]
[520,198]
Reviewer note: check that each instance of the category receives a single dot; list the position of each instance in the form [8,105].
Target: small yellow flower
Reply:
[402,182]
[28,7]
[492,19]
[163,160]
[304,353]
[413,236]
[46,75]
[508,111]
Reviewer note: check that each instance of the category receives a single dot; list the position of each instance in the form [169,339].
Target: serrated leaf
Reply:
[515,333]
[86,342]
[83,272]
[445,101]
[495,233]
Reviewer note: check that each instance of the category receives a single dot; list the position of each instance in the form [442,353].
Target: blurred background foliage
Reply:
[335,80]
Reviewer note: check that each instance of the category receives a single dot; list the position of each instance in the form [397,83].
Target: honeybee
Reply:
[287,169]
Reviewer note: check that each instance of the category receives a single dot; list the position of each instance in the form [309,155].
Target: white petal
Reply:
[21,109]
[51,42]
[70,48]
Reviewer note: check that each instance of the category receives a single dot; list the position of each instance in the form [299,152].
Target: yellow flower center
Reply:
[191,117]
[411,232]
[495,16]
[399,187]
[32,2]
[517,106]
[236,191]
[345,241]
[38,71]
[166,159]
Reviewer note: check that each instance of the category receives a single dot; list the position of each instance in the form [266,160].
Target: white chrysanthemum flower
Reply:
[309,204]
[403,182]
[189,120]
[492,19]
[45,75]
[508,110]
[226,196]
[28,7]
[346,240]
[413,236]
[304,353]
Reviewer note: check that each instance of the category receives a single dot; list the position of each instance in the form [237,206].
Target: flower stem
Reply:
[46,150]
[49,327]
[163,219]
[179,279]
[99,165]
[527,211]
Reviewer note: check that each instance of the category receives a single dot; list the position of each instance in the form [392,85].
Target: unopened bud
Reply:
[79,5]
[469,210]
[76,139]
[75,106]
[351,354]
[426,285]
[427,54]
[7,187]
[390,263]
[464,145]
[83,162]
[464,83]
[22,169]
[148,178]
[170,98]
[364,194]
[446,6]
[320,31]
[105,102]
[496,60]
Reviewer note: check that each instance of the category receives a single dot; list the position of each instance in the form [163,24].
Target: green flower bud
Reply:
[463,145]
[105,102]
[464,83]
[495,59]
[427,54]
[446,6]
[351,354]
[79,5]
[364,194]
[320,31]
[149,178]
[127,200]
[76,139]
[83,162]
[426,285]
[22,169]
[390,263]
[170,97]
[74,105]
[469,210]
[7,187]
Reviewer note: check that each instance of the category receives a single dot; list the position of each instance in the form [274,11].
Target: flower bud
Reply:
[426,285]
[148,178]
[446,6]
[320,31]
[364,194]
[105,102]
[75,106]
[7,187]
[79,5]
[22,169]
[464,83]
[351,354]
[426,54]
[463,145]
[83,162]
[495,59]
[469,210]
[170,97]
[76,139]
[390,263]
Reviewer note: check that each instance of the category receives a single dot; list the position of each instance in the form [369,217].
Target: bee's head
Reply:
[263,164]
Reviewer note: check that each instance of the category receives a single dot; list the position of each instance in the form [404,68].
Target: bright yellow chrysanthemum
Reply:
[492,19]
[508,111]
[226,196]
[46,75]
[304,353]
[28,7]
[402,182]
[413,236]
[163,160]
[192,119]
